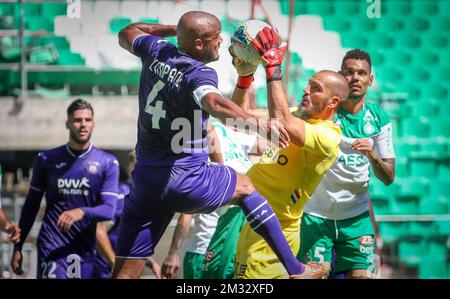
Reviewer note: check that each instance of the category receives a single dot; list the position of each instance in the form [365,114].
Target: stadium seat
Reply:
[381,195]
[381,206]
[436,91]
[424,57]
[441,73]
[377,58]
[389,24]
[348,8]
[444,169]
[400,57]
[422,229]
[51,10]
[105,10]
[239,10]
[417,74]
[440,188]
[404,148]
[43,54]
[6,9]
[81,81]
[430,268]
[91,26]
[134,9]
[388,74]
[60,42]
[407,40]
[408,196]
[413,127]
[36,24]
[67,27]
[300,7]
[118,23]
[425,7]
[422,107]
[443,228]
[403,205]
[47,78]
[437,249]
[401,166]
[31,10]
[216,7]
[338,24]
[321,8]
[354,40]
[392,231]
[440,24]
[380,41]
[398,8]
[436,149]
[66,57]
[411,252]
[423,167]
[110,81]
[433,206]
[435,40]
[149,20]
[416,24]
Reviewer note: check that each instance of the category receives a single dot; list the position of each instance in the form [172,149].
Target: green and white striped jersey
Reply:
[343,191]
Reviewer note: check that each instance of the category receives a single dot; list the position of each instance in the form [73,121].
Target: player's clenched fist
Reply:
[271,51]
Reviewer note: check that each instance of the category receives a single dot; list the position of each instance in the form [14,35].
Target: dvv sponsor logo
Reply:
[74,186]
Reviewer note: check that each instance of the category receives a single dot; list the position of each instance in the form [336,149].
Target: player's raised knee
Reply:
[244,186]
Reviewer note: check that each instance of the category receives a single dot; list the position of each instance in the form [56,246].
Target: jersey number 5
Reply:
[157,112]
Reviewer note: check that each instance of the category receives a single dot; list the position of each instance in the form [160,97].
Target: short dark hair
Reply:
[359,55]
[78,104]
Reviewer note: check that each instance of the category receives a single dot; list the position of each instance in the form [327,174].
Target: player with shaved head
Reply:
[287,177]
[177,90]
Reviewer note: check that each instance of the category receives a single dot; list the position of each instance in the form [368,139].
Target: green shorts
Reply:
[219,257]
[192,265]
[351,240]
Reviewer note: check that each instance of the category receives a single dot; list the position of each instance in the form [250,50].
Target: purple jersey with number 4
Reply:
[88,181]
[171,124]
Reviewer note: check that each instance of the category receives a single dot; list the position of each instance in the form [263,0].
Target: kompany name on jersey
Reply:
[164,71]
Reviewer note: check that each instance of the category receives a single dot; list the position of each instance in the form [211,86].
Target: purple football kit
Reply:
[69,180]
[172,173]
[102,268]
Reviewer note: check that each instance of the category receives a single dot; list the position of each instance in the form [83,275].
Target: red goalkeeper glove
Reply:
[271,51]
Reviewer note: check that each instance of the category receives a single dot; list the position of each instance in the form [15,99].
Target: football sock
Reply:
[263,220]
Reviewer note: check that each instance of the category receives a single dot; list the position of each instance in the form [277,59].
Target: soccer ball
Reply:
[241,41]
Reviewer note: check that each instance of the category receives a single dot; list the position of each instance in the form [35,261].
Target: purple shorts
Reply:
[158,192]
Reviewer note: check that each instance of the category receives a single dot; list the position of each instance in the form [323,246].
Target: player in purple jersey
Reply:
[80,186]
[177,90]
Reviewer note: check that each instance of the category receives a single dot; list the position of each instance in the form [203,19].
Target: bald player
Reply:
[177,90]
[287,177]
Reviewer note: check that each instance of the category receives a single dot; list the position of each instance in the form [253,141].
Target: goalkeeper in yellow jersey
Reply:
[287,177]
